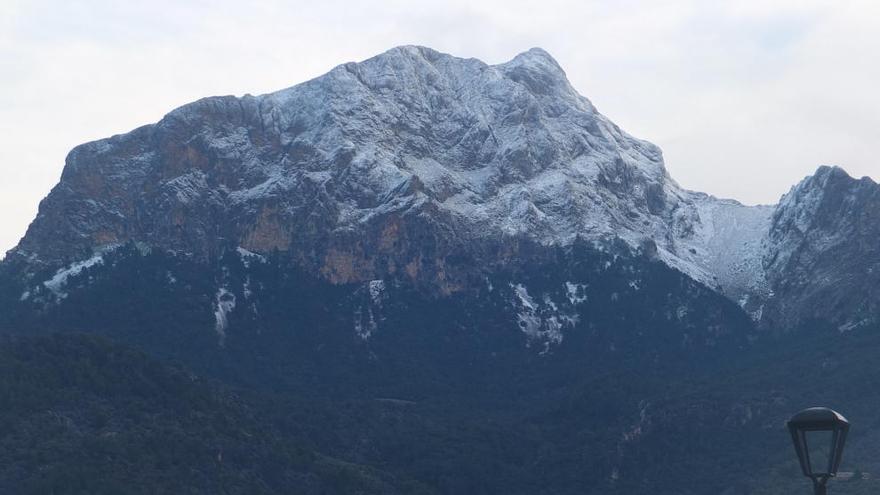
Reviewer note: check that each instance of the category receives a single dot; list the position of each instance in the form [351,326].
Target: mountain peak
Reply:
[411,51]
[828,179]
[536,57]
[538,71]
[831,172]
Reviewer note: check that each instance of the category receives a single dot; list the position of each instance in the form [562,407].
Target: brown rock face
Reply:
[268,233]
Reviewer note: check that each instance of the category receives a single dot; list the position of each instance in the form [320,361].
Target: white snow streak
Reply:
[224,303]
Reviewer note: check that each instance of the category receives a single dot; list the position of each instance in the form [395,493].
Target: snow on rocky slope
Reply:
[393,167]
[823,253]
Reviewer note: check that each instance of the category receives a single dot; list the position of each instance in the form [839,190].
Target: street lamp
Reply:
[818,434]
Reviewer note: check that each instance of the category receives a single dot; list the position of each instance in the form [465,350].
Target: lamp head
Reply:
[819,435]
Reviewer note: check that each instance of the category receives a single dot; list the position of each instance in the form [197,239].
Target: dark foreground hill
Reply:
[82,415]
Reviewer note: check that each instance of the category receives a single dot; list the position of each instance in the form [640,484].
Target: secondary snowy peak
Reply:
[824,211]
[823,258]
[821,198]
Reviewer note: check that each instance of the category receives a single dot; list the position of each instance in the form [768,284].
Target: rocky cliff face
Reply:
[823,257]
[414,165]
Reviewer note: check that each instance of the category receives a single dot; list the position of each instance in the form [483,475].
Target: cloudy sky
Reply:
[745,97]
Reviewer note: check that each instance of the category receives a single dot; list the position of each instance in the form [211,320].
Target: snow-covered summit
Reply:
[396,166]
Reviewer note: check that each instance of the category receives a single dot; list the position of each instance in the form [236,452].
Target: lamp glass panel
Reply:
[819,448]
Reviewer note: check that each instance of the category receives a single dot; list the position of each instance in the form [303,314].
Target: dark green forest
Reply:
[122,386]
[83,415]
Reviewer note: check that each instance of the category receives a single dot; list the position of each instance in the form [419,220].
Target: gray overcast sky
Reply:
[745,98]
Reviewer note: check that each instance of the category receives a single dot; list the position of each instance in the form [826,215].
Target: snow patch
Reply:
[758,313]
[57,283]
[366,321]
[681,312]
[377,291]
[246,289]
[541,322]
[722,245]
[364,328]
[852,325]
[224,303]
[577,293]
[247,257]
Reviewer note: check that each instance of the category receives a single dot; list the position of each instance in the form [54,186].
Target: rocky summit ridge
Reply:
[404,164]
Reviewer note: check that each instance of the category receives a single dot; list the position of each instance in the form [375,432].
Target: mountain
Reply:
[357,172]
[461,274]
[401,166]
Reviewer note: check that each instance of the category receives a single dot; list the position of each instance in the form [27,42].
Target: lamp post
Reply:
[819,435]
